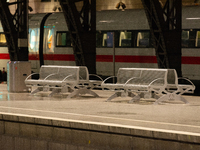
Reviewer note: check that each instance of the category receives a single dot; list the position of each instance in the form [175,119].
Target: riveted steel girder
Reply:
[82,28]
[165,27]
[15,29]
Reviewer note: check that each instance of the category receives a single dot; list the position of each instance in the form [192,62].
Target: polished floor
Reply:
[172,116]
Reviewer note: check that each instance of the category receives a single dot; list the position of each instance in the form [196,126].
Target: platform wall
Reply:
[22,133]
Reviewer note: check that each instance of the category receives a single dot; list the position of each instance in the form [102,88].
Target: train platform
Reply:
[138,122]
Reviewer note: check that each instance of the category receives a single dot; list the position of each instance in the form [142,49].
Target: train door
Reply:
[49,45]
[34,47]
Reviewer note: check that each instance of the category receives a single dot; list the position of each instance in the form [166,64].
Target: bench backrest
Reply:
[75,73]
[64,71]
[149,75]
[46,70]
[172,77]
[125,74]
[83,73]
[144,76]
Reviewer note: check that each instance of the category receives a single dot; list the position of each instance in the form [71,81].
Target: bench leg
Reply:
[136,97]
[117,94]
[54,91]
[82,91]
[171,96]
[36,90]
[179,97]
[66,89]
[92,93]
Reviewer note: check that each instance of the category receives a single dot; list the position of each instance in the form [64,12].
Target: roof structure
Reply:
[43,6]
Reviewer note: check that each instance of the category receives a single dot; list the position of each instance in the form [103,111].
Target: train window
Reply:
[33,40]
[99,39]
[143,39]
[104,41]
[49,40]
[185,39]
[188,38]
[197,44]
[125,39]
[63,39]
[2,40]
[107,39]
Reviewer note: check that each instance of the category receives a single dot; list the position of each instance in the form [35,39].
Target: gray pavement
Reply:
[172,116]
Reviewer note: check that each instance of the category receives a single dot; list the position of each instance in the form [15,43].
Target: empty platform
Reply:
[41,122]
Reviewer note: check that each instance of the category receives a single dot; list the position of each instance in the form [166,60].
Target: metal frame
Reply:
[165,27]
[16,29]
[82,28]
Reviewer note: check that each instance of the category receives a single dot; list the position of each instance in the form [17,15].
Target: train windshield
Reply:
[34,39]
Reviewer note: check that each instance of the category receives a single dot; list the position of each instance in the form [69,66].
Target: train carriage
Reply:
[123,33]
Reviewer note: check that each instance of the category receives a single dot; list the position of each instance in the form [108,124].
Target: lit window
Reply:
[198,39]
[143,39]
[2,39]
[125,39]
[107,39]
[49,40]
[33,39]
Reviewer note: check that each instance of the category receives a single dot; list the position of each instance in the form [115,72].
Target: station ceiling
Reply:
[135,4]
[44,7]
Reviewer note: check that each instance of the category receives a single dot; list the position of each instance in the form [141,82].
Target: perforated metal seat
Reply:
[62,79]
[137,82]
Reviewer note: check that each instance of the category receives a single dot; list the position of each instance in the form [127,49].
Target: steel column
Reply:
[82,28]
[16,29]
[165,27]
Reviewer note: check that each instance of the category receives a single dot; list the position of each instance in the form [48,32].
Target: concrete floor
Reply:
[172,116]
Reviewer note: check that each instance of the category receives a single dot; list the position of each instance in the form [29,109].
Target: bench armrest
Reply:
[96,76]
[30,76]
[152,82]
[67,77]
[131,80]
[187,80]
[50,75]
[104,82]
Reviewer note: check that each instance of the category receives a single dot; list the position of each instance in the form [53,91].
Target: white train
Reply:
[49,41]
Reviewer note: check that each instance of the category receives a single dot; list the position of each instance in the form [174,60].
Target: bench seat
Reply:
[137,83]
[60,79]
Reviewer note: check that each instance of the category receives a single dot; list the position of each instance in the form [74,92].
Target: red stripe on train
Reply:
[59,57]
[108,58]
[190,60]
[4,56]
[126,59]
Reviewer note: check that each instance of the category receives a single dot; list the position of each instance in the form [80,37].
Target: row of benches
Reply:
[161,84]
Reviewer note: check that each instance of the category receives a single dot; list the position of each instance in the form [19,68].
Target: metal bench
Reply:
[174,89]
[137,83]
[61,79]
